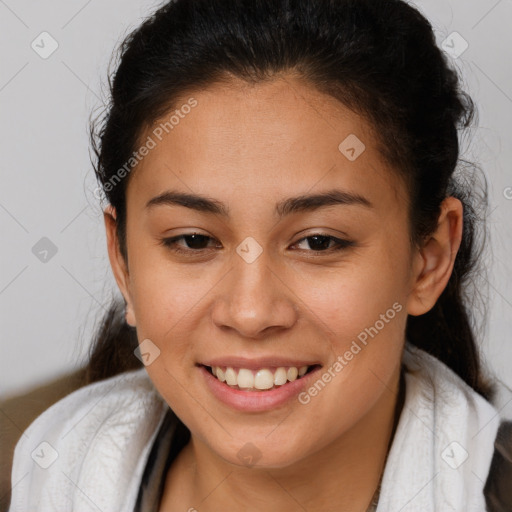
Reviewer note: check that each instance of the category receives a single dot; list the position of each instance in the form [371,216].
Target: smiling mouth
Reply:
[264,379]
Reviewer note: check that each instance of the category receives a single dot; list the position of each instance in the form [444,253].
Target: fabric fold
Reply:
[444,442]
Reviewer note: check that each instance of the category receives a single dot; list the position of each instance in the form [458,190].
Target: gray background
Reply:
[48,309]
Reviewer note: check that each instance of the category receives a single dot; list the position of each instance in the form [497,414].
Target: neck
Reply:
[346,473]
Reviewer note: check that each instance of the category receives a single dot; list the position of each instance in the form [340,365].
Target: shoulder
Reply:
[465,409]
[498,487]
[88,447]
[449,387]
[84,410]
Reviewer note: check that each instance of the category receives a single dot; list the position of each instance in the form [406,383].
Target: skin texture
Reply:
[251,147]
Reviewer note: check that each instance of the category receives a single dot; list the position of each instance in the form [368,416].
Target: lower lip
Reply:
[255,401]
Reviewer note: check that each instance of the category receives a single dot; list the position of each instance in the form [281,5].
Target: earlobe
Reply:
[434,261]
[118,263]
[130,315]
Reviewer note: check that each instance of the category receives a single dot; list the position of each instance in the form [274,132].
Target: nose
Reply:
[253,300]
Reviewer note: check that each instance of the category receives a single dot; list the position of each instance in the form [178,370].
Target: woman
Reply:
[291,242]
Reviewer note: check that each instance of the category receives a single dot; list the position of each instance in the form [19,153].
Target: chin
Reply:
[260,453]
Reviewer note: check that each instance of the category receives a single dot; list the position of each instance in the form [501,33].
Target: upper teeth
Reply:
[260,379]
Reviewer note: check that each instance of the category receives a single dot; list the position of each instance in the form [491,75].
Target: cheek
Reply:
[164,293]
[165,305]
[346,300]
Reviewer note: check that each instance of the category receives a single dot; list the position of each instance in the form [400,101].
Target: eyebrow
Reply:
[303,203]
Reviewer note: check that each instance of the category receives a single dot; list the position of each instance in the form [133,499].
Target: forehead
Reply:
[263,141]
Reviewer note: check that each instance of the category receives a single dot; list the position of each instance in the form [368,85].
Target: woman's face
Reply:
[273,164]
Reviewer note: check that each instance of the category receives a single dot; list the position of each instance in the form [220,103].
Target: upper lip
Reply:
[257,363]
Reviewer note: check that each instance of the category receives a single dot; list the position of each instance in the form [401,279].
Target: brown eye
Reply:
[195,242]
[321,243]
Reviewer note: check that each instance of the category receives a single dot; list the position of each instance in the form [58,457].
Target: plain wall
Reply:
[48,308]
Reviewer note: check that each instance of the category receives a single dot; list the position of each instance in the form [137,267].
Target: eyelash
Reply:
[171,243]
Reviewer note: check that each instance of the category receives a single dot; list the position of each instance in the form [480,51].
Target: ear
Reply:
[433,262]
[118,263]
